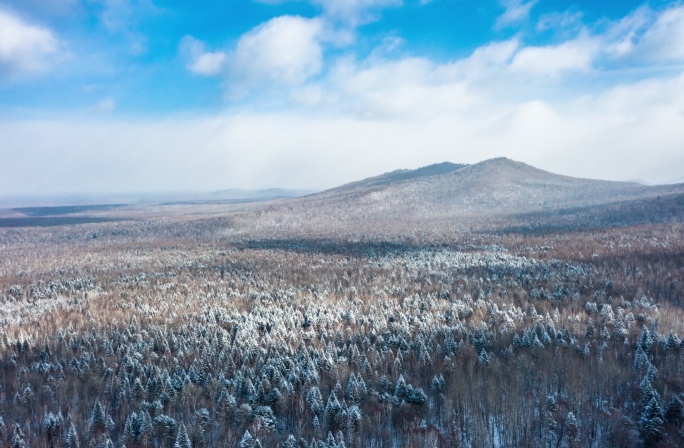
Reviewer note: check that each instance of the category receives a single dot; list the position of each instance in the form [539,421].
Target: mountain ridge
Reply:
[452,195]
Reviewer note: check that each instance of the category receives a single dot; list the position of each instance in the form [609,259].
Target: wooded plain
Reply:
[492,304]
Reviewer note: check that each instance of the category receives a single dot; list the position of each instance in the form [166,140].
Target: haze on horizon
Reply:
[148,95]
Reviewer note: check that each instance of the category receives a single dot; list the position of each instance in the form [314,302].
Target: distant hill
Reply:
[495,185]
[268,193]
[77,203]
[399,175]
[451,194]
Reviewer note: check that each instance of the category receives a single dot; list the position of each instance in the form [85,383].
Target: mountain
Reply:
[398,175]
[449,194]
[495,185]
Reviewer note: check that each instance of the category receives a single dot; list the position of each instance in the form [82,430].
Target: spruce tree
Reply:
[182,439]
[18,437]
[72,438]
[651,422]
[98,419]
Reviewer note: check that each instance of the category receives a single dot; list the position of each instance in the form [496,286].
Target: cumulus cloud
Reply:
[200,61]
[284,50]
[573,56]
[24,47]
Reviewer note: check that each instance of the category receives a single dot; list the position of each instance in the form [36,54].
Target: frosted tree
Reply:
[182,439]
[98,419]
[651,422]
[645,340]
[640,359]
[51,427]
[165,427]
[674,414]
[247,441]
[202,421]
[72,438]
[291,442]
[401,389]
[265,418]
[572,426]
[18,437]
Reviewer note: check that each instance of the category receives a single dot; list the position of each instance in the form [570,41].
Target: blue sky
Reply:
[151,95]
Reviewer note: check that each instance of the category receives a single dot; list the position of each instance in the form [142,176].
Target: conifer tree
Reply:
[18,437]
[72,438]
[182,439]
[674,414]
[651,422]
[247,441]
[98,419]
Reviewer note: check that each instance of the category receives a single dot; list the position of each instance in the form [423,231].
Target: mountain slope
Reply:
[444,197]
[401,175]
[495,185]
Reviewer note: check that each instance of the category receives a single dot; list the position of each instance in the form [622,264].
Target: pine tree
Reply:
[247,441]
[401,388]
[315,400]
[52,426]
[291,442]
[182,439]
[674,415]
[645,340]
[72,438]
[18,437]
[202,420]
[98,419]
[651,422]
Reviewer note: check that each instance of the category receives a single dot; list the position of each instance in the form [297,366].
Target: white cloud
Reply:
[284,50]
[557,21]
[573,56]
[664,41]
[516,11]
[199,61]
[24,48]
[209,63]
[647,37]
[355,12]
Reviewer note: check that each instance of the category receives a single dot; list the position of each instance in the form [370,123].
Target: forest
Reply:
[146,333]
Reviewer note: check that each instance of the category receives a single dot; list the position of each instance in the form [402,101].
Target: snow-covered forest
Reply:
[108,338]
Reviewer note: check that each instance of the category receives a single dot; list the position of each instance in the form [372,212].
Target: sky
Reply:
[151,95]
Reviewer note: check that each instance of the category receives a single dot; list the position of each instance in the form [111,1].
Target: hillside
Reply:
[495,185]
[450,195]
